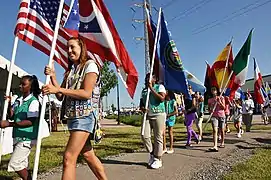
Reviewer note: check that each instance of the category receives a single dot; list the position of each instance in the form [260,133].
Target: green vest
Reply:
[155,105]
[170,109]
[20,113]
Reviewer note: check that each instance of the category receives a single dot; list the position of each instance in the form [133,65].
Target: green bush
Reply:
[113,116]
[133,120]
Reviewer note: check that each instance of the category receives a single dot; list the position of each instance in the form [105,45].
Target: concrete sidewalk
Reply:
[178,166]
[112,123]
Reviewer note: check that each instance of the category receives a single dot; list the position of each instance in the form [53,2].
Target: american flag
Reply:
[36,21]
[35,25]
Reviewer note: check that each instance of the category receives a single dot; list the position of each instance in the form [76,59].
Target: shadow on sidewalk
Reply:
[262,140]
[5,178]
[110,161]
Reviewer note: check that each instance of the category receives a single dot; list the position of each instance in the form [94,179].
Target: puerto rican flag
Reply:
[91,20]
[259,92]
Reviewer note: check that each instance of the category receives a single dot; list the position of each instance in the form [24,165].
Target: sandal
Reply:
[213,150]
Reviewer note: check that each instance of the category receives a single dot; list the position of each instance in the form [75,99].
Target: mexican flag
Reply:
[240,65]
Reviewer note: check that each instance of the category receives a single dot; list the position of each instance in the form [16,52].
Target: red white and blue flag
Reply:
[259,90]
[35,25]
[91,21]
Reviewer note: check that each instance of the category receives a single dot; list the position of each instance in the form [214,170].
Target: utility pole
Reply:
[147,4]
[118,102]
[144,5]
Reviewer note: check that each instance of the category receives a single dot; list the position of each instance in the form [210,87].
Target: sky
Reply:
[194,48]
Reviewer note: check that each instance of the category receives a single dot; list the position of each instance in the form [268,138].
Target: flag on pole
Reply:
[240,65]
[151,27]
[209,82]
[195,83]
[259,93]
[98,31]
[174,75]
[221,66]
[35,25]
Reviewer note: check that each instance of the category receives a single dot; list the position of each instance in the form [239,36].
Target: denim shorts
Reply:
[82,124]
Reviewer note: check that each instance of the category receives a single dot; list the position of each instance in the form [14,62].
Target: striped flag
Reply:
[222,67]
[259,92]
[240,65]
[35,25]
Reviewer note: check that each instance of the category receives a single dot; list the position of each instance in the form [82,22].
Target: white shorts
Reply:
[19,157]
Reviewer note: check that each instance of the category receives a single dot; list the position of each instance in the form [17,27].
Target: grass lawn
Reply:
[257,167]
[116,141]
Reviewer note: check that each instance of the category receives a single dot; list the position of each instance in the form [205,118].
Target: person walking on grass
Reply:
[216,104]
[247,111]
[172,111]
[79,92]
[156,117]
[25,116]
[237,116]
[200,112]
[190,116]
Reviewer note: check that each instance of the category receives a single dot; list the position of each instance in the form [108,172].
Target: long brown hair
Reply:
[83,56]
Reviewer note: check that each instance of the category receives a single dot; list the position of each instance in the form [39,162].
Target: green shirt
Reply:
[155,105]
[21,112]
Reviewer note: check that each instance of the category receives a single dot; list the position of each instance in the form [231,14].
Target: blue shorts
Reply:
[170,123]
[82,124]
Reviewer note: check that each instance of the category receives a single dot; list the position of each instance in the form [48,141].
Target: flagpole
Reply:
[216,102]
[151,70]
[52,53]
[4,115]
[226,66]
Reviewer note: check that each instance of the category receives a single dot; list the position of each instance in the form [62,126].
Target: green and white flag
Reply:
[240,64]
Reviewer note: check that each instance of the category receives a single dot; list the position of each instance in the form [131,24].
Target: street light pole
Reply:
[118,101]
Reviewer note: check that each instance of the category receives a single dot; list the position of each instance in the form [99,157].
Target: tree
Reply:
[113,108]
[109,79]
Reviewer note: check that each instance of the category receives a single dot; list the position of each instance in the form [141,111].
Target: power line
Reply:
[190,10]
[243,8]
[230,18]
[166,5]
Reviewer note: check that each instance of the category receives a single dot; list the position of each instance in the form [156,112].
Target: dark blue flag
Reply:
[174,75]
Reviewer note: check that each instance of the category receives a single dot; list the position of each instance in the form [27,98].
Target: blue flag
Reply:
[174,75]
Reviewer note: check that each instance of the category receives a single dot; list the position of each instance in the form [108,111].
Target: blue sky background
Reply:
[194,48]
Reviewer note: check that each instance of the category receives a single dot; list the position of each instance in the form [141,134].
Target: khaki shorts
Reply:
[218,122]
[19,158]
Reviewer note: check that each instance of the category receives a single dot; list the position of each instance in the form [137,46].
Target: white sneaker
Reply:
[151,160]
[238,135]
[242,131]
[164,151]
[200,138]
[170,151]
[156,164]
